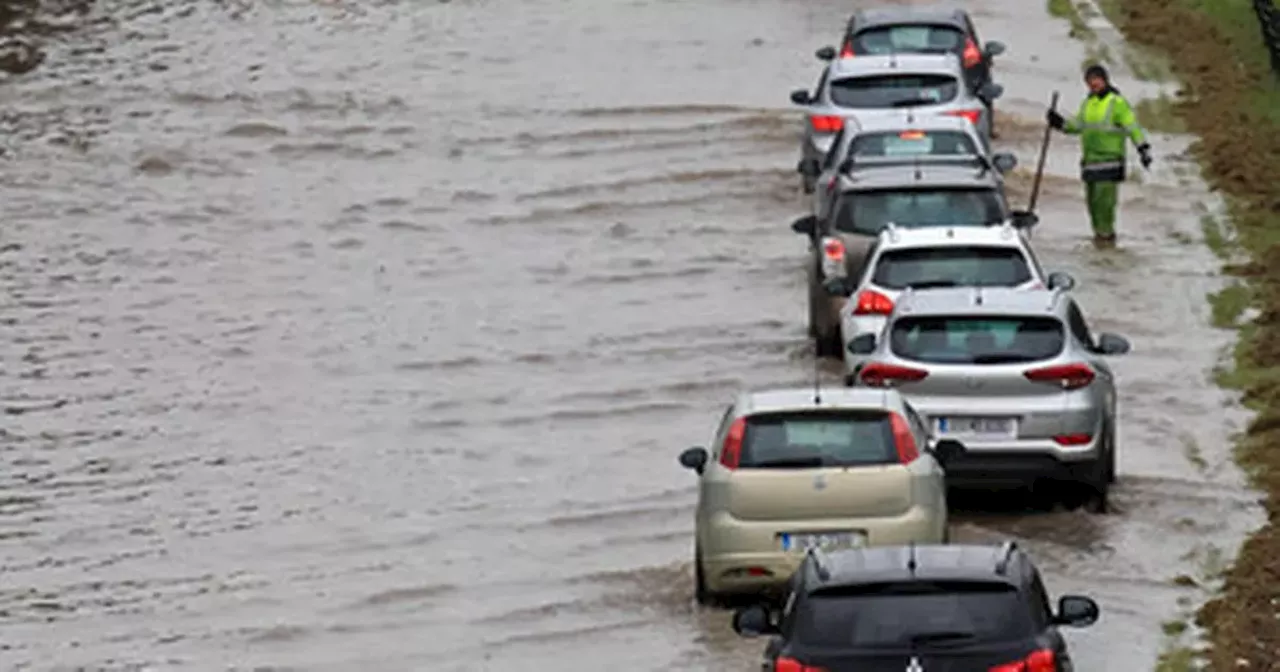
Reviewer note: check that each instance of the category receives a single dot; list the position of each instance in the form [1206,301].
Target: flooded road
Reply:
[342,335]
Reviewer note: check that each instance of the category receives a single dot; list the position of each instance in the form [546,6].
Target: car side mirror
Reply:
[808,167]
[754,621]
[947,451]
[837,286]
[806,225]
[694,459]
[1004,162]
[1076,611]
[1112,344]
[827,53]
[862,344]
[994,48]
[1062,281]
[800,97]
[990,91]
[1023,219]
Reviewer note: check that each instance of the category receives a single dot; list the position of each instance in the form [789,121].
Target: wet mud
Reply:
[339,336]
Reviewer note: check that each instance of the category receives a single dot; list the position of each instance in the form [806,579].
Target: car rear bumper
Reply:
[1000,469]
[735,551]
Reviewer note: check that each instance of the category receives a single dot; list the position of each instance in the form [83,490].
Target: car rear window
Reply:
[893,614]
[897,90]
[977,339]
[868,212]
[909,38]
[913,143]
[955,266]
[811,439]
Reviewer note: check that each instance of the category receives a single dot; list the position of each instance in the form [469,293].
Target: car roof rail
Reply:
[1003,555]
[820,564]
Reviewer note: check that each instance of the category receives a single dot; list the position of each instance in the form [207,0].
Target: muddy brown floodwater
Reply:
[351,335]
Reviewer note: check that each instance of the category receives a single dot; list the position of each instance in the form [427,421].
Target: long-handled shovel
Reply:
[1044,155]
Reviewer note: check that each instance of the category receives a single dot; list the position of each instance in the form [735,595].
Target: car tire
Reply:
[701,594]
[1110,469]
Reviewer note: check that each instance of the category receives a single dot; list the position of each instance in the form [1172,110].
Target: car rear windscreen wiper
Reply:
[931,284]
[1000,358]
[956,637]
[913,102]
[790,463]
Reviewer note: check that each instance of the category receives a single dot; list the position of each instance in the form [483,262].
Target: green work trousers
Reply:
[1102,198]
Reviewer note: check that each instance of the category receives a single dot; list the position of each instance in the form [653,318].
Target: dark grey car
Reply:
[851,218]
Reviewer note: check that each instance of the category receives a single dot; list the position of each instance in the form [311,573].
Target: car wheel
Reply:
[701,594]
[1111,456]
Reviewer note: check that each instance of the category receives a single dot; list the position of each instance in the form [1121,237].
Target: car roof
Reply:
[900,238]
[936,562]
[913,176]
[886,64]
[885,16]
[945,301]
[774,400]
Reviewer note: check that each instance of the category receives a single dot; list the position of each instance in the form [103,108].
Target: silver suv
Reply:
[995,256]
[912,196]
[868,86]
[1014,375]
[905,138]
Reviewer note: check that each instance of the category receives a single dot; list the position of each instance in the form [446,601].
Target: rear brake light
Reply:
[1072,439]
[872,303]
[911,135]
[974,116]
[876,374]
[793,665]
[823,123]
[972,56]
[1042,660]
[1068,376]
[833,249]
[905,441]
[731,453]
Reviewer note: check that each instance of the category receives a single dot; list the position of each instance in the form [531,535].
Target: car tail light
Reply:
[793,665]
[972,55]
[1072,439]
[972,115]
[1068,376]
[846,51]
[872,303]
[905,441]
[731,453]
[823,123]
[1042,660]
[833,249]
[876,374]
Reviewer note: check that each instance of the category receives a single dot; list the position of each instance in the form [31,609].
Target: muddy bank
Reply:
[1230,101]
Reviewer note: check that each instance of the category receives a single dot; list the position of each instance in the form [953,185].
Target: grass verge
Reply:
[1233,105]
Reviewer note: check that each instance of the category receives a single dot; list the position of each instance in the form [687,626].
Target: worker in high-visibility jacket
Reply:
[1104,122]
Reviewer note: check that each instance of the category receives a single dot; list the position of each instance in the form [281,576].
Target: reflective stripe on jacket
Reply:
[1103,123]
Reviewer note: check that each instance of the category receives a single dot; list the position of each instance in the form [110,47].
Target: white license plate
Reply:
[822,540]
[986,427]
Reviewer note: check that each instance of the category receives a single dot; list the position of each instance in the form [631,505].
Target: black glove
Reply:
[1055,120]
[1144,153]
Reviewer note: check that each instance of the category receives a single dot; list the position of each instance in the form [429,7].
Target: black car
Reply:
[953,608]
[887,30]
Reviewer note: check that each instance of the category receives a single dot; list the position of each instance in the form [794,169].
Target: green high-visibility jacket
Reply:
[1103,123]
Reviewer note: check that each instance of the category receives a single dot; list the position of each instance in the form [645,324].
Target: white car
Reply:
[930,257]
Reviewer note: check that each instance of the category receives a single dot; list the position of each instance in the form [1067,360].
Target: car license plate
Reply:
[992,427]
[823,540]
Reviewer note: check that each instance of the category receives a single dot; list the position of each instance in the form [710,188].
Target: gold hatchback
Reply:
[792,469]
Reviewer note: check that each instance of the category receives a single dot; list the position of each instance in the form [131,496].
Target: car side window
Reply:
[1079,328]
[830,159]
[1039,598]
[822,83]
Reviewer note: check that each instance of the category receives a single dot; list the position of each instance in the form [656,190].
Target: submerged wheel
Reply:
[701,595]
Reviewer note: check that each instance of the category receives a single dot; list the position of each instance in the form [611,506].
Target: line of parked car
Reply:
[967,364]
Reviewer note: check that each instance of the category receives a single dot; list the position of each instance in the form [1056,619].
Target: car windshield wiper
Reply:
[793,462]
[912,102]
[947,637]
[999,358]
